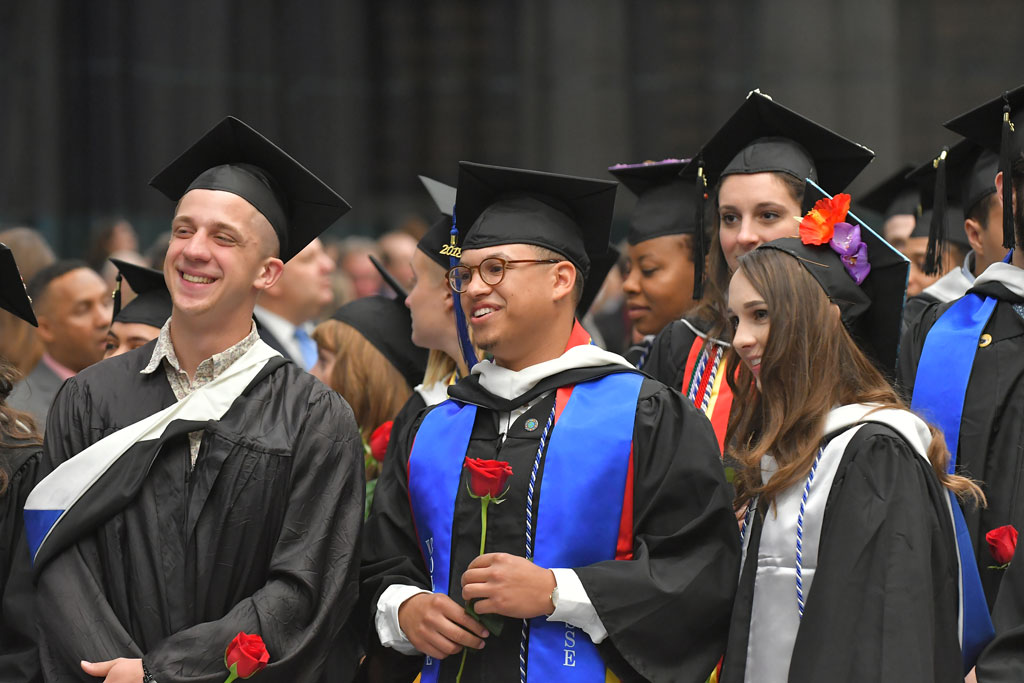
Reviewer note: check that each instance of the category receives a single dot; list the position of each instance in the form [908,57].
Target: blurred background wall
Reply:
[97,95]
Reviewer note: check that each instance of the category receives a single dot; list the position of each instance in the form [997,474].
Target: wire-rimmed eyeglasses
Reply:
[491,270]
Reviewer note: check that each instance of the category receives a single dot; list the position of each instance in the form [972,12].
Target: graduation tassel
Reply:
[1005,167]
[699,238]
[117,295]
[468,354]
[937,237]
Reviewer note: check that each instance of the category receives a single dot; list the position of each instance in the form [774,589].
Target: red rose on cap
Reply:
[245,656]
[379,440]
[487,477]
[1002,542]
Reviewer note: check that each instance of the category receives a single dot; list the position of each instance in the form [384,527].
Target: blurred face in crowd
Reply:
[915,249]
[519,319]
[222,255]
[659,282]
[753,209]
[365,279]
[125,337]
[304,288]
[430,303]
[398,249]
[324,367]
[74,314]
[897,228]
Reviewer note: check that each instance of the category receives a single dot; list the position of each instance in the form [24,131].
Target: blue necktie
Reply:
[307,346]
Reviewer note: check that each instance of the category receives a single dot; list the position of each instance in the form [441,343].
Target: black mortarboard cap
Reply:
[235,158]
[894,196]
[438,236]
[152,303]
[387,324]
[567,214]
[996,126]
[13,296]
[600,266]
[873,311]
[666,204]
[764,136]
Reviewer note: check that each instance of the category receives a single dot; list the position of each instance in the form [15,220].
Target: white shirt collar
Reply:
[509,384]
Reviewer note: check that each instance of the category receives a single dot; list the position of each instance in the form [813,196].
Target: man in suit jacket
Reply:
[73,307]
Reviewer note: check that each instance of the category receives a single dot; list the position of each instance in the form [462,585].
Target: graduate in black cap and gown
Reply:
[662,247]
[752,171]
[963,361]
[20,451]
[605,533]
[850,566]
[139,321]
[202,485]
[897,203]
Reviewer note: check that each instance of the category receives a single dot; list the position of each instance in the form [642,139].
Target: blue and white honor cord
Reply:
[800,536]
[530,502]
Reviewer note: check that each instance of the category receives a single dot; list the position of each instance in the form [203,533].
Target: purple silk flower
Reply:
[852,251]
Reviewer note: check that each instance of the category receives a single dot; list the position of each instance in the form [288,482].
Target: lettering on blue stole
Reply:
[570,646]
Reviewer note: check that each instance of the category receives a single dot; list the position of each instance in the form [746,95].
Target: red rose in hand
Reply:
[1002,542]
[247,654]
[487,477]
[379,440]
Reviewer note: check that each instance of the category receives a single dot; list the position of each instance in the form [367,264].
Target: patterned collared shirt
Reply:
[208,370]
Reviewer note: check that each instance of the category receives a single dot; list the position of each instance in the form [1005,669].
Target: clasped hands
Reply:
[502,584]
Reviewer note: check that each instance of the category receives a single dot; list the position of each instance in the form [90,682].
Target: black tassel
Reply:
[1005,167]
[699,238]
[117,296]
[937,237]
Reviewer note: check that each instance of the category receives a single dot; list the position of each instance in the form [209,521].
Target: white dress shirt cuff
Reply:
[386,620]
[574,606]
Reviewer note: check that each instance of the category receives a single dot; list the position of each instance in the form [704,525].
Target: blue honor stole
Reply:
[940,387]
[578,512]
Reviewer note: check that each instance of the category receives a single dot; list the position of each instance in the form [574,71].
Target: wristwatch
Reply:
[146,676]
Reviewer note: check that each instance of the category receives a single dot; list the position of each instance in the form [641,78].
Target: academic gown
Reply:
[19,660]
[992,426]
[261,537]
[1003,660]
[666,610]
[883,605]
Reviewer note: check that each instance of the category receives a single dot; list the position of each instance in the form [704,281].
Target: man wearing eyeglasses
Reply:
[611,548]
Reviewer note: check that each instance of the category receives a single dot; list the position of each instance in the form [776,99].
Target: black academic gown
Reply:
[1003,660]
[666,361]
[666,611]
[261,537]
[884,602]
[19,660]
[992,427]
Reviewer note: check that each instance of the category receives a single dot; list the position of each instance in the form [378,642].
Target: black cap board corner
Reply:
[13,295]
[234,157]
[894,196]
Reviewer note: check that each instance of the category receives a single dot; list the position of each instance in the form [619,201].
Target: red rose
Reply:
[1002,542]
[248,653]
[379,440]
[487,477]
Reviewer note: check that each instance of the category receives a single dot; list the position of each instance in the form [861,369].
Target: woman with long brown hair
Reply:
[752,171]
[851,569]
[20,451]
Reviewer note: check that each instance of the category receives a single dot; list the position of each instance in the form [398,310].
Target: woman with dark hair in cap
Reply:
[20,448]
[662,247]
[754,170]
[850,555]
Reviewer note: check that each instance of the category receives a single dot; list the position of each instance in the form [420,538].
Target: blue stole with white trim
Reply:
[940,386]
[578,512]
